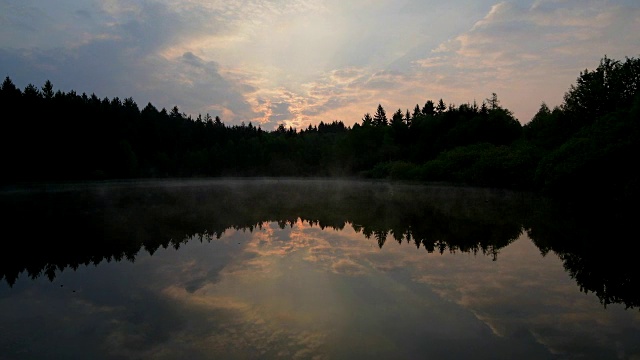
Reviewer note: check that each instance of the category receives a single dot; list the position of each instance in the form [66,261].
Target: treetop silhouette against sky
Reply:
[305,61]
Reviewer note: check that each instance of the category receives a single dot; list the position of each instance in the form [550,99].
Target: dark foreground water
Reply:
[311,269]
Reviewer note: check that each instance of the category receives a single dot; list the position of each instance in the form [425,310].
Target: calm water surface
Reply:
[306,269]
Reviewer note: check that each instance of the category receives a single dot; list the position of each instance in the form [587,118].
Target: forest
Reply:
[586,147]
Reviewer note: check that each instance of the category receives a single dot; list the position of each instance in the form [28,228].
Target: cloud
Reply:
[531,54]
[348,267]
[476,284]
[306,292]
[281,112]
[125,59]
[301,62]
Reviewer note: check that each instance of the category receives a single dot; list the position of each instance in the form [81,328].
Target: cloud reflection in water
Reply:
[335,285]
[380,271]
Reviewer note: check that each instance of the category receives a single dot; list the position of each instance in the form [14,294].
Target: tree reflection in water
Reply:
[50,228]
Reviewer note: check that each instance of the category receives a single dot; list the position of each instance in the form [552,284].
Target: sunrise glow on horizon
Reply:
[301,62]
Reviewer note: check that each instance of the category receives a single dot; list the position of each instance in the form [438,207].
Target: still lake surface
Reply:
[311,269]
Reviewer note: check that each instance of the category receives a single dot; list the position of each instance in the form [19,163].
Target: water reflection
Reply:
[596,244]
[295,269]
[115,221]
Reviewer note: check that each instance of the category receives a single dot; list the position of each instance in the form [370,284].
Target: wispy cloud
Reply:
[533,53]
[301,62]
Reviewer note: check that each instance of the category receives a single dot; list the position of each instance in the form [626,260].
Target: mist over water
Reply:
[306,268]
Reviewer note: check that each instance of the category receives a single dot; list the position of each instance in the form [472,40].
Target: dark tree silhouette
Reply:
[58,136]
[429,108]
[380,117]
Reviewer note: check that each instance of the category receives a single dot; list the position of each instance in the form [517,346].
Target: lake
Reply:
[312,269]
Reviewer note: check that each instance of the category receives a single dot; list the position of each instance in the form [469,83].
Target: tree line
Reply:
[584,146]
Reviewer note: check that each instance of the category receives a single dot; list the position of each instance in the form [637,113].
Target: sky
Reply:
[299,62]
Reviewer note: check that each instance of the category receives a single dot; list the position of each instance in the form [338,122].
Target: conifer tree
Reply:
[380,118]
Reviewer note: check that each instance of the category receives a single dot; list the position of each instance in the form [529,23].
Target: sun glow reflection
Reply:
[296,276]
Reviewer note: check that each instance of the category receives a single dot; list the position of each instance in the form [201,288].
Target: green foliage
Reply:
[546,129]
[482,164]
[611,86]
[591,142]
[394,170]
[598,159]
